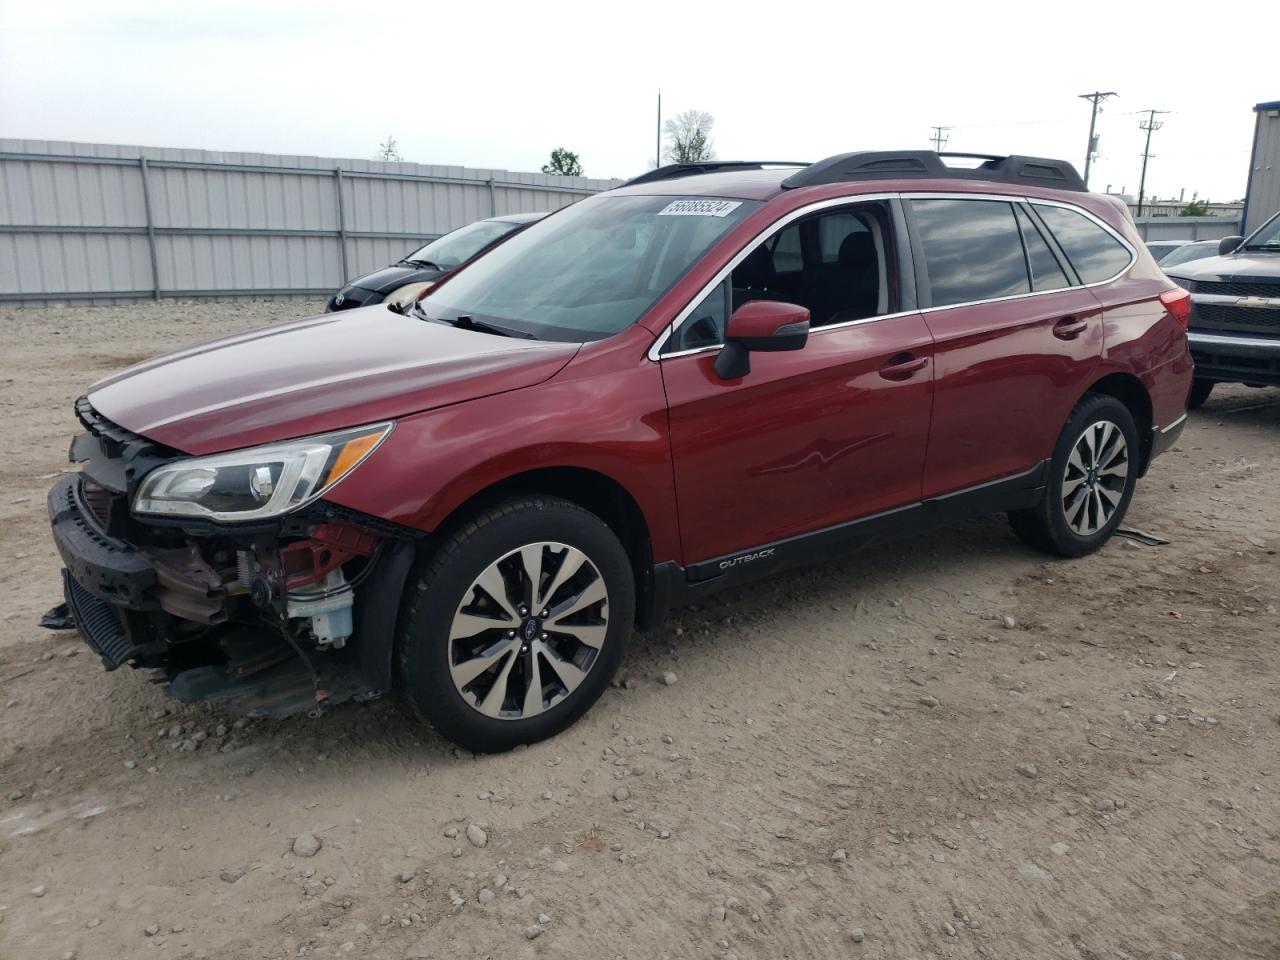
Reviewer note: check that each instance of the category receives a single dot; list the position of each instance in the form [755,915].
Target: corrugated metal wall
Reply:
[1186,228]
[1263,197]
[104,222]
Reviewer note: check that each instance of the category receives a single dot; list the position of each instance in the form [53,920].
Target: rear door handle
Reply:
[1068,328]
[902,365]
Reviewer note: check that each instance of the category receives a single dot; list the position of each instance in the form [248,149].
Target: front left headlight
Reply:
[404,296]
[256,483]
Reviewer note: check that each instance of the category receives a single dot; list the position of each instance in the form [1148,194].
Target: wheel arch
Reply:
[1130,391]
[590,489]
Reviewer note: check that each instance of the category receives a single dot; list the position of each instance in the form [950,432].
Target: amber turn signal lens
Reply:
[353,451]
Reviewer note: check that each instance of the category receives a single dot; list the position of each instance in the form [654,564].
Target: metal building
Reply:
[1262,199]
[103,223]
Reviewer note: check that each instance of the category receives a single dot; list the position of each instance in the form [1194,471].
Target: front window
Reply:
[1266,237]
[837,264]
[456,248]
[592,269]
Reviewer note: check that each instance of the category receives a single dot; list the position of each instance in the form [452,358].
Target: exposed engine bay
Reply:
[259,616]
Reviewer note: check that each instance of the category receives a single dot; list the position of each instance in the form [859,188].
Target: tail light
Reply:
[1178,302]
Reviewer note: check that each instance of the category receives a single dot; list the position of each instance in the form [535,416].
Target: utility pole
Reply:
[1095,98]
[657,157]
[1151,125]
[939,138]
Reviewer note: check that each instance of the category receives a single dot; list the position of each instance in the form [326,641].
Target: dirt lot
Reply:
[953,745]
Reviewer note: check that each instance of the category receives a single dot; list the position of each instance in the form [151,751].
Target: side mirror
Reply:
[760,325]
[1229,245]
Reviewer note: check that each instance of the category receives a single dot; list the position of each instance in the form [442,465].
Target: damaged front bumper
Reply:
[273,619]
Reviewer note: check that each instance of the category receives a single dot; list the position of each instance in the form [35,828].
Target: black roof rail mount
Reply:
[673,170]
[929,165]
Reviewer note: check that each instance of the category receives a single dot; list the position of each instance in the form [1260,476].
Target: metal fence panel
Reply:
[103,222]
[1186,228]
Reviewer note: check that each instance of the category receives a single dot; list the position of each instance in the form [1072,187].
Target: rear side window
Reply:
[1046,272]
[972,250]
[1094,252]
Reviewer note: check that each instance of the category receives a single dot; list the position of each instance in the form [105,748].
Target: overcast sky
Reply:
[497,85]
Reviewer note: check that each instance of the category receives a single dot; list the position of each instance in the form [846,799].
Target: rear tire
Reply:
[1092,476]
[1200,390]
[514,627]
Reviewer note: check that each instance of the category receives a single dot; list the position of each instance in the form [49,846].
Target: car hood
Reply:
[388,278]
[1250,263]
[315,375]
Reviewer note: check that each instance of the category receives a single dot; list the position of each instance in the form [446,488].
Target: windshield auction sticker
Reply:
[699,208]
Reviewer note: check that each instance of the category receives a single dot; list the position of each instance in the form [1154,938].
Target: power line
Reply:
[940,138]
[1151,125]
[1096,99]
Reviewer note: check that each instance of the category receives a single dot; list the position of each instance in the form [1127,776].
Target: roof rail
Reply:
[927,164]
[673,170]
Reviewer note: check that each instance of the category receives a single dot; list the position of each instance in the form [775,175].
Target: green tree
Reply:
[388,150]
[1196,208]
[688,137]
[564,163]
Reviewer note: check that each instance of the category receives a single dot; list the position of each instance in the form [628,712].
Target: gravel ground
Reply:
[951,747]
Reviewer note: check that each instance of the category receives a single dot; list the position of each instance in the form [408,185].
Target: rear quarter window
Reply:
[1095,253]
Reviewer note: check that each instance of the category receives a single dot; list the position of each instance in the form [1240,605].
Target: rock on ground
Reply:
[306,845]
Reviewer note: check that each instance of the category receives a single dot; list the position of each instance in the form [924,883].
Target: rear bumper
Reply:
[1235,358]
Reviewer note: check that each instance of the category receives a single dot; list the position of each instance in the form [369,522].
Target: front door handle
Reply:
[1068,328]
[902,365]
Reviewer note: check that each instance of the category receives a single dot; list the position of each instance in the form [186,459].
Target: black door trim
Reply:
[674,585]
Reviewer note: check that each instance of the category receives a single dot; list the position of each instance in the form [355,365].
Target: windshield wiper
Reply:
[467,322]
[429,264]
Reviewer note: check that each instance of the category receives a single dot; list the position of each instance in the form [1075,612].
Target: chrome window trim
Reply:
[655,349]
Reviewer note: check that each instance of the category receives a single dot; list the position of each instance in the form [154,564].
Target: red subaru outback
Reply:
[705,376]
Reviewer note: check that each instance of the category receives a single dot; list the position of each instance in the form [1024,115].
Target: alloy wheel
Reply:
[528,630]
[1093,483]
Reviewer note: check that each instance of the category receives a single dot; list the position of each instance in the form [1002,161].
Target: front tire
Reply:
[1092,476]
[1200,390]
[515,626]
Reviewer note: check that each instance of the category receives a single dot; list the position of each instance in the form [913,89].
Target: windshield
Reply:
[592,269]
[1192,251]
[456,248]
[1267,236]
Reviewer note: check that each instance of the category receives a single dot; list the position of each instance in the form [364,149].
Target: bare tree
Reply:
[388,150]
[688,137]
